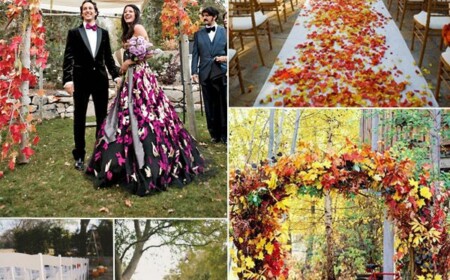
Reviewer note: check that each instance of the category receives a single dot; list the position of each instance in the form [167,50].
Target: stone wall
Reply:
[58,103]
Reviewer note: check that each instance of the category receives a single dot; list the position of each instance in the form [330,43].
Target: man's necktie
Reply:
[93,27]
[209,29]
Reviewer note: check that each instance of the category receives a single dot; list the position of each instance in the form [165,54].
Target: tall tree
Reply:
[271,132]
[295,133]
[133,240]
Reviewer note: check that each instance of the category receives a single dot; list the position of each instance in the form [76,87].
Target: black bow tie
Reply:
[209,29]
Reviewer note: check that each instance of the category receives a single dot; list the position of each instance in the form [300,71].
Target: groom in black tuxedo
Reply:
[87,52]
[210,47]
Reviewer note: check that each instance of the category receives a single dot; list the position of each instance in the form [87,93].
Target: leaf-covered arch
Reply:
[259,205]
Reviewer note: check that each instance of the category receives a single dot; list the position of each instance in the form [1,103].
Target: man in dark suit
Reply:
[209,66]
[87,52]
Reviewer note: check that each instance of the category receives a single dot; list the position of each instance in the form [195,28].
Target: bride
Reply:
[142,144]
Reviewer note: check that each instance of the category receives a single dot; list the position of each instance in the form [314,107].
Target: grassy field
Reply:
[49,186]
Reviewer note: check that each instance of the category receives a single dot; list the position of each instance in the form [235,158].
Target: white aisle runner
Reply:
[298,81]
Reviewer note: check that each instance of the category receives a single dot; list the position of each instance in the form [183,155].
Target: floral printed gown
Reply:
[142,143]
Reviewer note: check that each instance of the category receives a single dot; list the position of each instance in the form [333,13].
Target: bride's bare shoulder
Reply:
[139,30]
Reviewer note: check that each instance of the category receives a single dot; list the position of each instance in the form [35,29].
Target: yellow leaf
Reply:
[238,270]
[396,196]
[272,183]
[261,243]
[413,182]
[249,262]
[319,186]
[283,204]
[260,256]
[417,240]
[420,202]
[377,178]
[310,176]
[269,248]
[425,192]
[420,277]
[291,189]
[241,240]
[438,277]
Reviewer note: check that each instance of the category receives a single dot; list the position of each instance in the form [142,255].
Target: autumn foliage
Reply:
[175,18]
[259,201]
[13,123]
[340,63]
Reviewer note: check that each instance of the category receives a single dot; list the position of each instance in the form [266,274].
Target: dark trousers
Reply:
[81,100]
[215,97]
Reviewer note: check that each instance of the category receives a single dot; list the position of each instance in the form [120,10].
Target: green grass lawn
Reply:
[49,186]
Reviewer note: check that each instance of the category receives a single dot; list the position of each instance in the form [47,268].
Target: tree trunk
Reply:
[138,249]
[83,237]
[310,246]
[329,237]
[117,266]
[25,88]
[295,134]
[435,146]
[131,268]
[375,124]
[187,84]
[271,133]
[250,145]
[280,132]
[329,220]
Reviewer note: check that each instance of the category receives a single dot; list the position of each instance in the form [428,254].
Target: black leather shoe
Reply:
[79,165]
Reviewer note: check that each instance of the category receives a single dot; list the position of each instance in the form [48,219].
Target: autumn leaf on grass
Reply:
[170,211]
[104,210]
[36,140]
[1,174]
[203,144]
[128,203]
[250,88]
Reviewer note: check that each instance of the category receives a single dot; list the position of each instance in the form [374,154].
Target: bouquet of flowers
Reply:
[446,34]
[139,48]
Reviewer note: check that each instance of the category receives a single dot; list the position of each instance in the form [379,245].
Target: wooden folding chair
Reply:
[405,5]
[235,68]
[292,4]
[246,19]
[429,23]
[277,6]
[443,72]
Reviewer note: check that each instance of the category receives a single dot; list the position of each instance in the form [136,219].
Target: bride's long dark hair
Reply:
[128,30]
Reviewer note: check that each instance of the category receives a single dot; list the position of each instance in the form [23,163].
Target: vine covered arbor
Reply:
[397,168]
